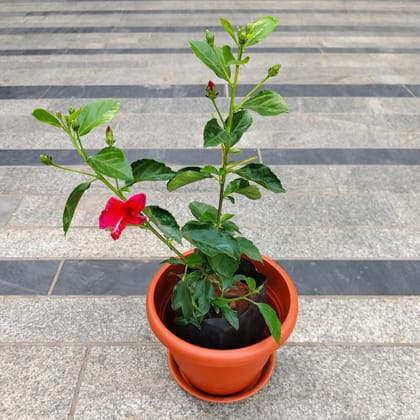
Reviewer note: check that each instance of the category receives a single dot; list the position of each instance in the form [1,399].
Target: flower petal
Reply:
[136,203]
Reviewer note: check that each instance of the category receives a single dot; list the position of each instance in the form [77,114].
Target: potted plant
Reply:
[221,309]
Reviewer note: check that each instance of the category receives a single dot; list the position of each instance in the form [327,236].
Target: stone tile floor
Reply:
[74,341]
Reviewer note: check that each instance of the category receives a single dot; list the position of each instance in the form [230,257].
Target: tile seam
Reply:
[55,278]
[81,375]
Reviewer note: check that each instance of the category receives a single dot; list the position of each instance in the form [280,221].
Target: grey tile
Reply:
[352,319]
[79,320]
[390,178]
[308,383]
[26,277]
[105,277]
[38,382]
[8,205]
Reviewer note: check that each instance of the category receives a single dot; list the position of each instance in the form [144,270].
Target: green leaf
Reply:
[271,319]
[223,265]
[209,240]
[181,299]
[266,102]
[111,162]
[249,249]
[243,187]
[164,220]
[71,204]
[229,57]
[45,117]
[261,29]
[241,121]
[230,316]
[96,113]
[228,28]
[203,295]
[150,170]
[203,212]
[212,58]
[250,282]
[214,134]
[186,176]
[262,175]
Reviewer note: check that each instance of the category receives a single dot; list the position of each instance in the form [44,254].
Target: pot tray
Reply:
[247,392]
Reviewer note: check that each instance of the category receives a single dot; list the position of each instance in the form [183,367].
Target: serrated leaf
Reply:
[267,103]
[96,113]
[150,170]
[186,176]
[111,162]
[262,175]
[212,58]
[164,220]
[271,319]
[46,117]
[203,212]
[71,204]
[261,29]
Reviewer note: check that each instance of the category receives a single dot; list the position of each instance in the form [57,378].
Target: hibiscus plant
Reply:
[210,270]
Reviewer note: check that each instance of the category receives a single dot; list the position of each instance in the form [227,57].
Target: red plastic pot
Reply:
[222,375]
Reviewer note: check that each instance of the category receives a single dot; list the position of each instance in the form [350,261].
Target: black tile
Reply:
[341,156]
[27,277]
[354,277]
[333,90]
[415,89]
[387,29]
[105,277]
[24,157]
[259,50]
[178,91]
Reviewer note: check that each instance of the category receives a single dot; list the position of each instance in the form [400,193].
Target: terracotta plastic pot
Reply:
[222,375]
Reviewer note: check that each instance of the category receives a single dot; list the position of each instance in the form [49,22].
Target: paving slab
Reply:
[38,382]
[360,361]
[308,382]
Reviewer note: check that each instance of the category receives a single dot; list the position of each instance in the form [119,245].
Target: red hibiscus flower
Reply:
[118,214]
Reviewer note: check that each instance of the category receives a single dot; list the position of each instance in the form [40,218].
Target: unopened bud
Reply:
[46,159]
[273,71]
[209,38]
[109,136]
[211,90]
[242,38]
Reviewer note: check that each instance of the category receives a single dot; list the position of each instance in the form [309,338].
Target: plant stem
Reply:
[226,148]
[251,92]
[167,242]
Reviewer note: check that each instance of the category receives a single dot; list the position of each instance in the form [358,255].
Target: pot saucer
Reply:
[247,392]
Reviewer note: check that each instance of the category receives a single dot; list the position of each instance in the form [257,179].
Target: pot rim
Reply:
[212,356]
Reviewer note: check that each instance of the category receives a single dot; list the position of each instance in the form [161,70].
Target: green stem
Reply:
[218,111]
[226,148]
[65,168]
[147,225]
[251,92]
